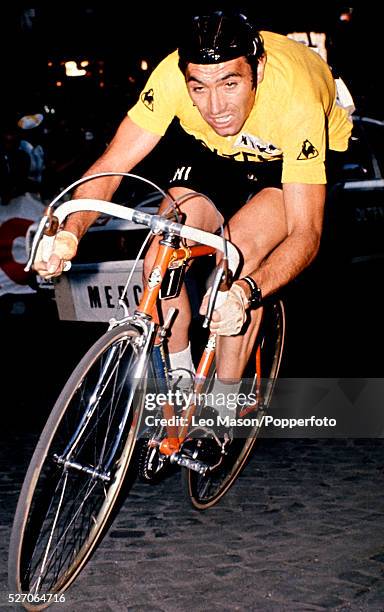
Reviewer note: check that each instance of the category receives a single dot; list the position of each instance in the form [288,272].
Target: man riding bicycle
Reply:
[258,116]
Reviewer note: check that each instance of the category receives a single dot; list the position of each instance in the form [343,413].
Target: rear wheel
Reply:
[77,469]
[259,379]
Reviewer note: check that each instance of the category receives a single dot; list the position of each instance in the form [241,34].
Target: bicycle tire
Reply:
[62,510]
[204,491]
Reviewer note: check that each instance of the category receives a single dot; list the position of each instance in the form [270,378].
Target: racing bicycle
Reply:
[101,433]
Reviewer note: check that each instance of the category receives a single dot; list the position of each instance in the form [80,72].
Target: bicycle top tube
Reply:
[156,223]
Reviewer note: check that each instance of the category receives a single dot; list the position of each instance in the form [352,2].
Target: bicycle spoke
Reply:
[78,467]
[206,490]
[58,539]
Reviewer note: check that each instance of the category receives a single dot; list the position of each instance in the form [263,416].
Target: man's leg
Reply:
[199,213]
[256,229]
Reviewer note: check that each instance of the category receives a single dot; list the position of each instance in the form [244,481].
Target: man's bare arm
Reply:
[304,207]
[129,146]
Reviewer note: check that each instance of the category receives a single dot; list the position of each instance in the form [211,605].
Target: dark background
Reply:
[334,313]
[313,525]
[114,37]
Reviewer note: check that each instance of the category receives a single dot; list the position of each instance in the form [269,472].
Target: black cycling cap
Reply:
[219,37]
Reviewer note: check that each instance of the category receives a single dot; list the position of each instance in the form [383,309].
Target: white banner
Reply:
[90,292]
[15,218]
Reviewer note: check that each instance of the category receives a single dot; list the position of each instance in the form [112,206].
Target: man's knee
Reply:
[258,227]
[198,210]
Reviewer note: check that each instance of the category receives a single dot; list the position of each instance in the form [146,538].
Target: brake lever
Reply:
[48,226]
[222,282]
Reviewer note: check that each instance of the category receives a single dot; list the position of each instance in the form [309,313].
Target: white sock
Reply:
[223,397]
[182,361]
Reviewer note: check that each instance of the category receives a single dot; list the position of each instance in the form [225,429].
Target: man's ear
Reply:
[261,68]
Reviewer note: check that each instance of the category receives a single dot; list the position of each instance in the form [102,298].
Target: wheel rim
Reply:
[205,491]
[68,507]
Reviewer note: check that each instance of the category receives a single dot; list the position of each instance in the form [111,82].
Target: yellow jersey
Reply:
[295,116]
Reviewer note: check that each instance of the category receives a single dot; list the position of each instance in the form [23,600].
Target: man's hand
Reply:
[52,264]
[229,318]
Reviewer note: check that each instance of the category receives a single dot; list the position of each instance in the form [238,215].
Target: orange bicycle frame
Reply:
[167,255]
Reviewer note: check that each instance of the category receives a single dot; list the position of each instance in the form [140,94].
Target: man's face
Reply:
[224,93]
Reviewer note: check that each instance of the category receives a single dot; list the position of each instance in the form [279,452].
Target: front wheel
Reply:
[77,469]
[259,380]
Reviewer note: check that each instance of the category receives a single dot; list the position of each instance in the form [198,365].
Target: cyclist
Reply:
[258,116]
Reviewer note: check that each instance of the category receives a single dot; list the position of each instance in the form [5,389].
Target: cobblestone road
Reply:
[302,529]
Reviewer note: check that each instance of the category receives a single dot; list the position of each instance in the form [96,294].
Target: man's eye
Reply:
[231,84]
[197,89]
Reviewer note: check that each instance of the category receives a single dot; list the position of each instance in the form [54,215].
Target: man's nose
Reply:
[216,103]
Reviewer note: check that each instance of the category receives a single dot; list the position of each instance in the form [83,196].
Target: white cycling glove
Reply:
[54,255]
[232,312]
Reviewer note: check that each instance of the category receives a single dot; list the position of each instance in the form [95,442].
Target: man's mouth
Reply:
[221,121]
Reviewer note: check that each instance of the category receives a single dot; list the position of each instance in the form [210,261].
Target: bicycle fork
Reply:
[139,372]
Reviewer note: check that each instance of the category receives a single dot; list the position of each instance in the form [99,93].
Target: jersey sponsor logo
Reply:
[308,151]
[243,156]
[148,99]
[254,143]
[181,174]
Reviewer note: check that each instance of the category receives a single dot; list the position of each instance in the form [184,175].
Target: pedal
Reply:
[192,464]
